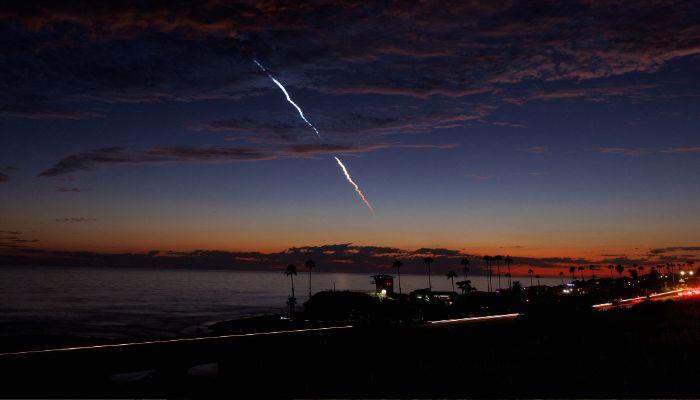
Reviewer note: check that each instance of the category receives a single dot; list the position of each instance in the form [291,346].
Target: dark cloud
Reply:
[63,189]
[79,56]
[89,160]
[332,257]
[634,152]
[75,219]
[4,178]
[625,151]
[14,240]
[683,150]
[663,250]
[479,177]
[537,150]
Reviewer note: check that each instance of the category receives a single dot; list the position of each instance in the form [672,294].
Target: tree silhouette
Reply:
[517,287]
[452,275]
[572,271]
[508,262]
[487,260]
[465,286]
[310,264]
[428,261]
[561,276]
[538,280]
[592,268]
[465,268]
[633,273]
[620,269]
[290,271]
[581,269]
[610,268]
[530,272]
[498,260]
[398,264]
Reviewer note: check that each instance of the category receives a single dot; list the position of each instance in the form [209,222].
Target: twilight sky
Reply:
[538,129]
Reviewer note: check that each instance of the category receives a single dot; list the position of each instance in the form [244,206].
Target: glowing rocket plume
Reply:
[289,99]
[301,113]
[357,188]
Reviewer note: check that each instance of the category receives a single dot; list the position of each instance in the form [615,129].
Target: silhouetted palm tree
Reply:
[592,268]
[452,275]
[641,270]
[465,286]
[633,273]
[538,280]
[673,274]
[581,269]
[428,261]
[487,260]
[561,276]
[508,262]
[620,269]
[290,271]
[465,268]
[610,268]
[310,264]
[398,264]
[498,260]
[530,272]
[572,271]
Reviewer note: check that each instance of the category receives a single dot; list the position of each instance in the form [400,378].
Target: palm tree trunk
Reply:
[510,282]
[398,271]
[430,285]
[453,283]
[488,275]
[530,279]
[309,282]
[498,266]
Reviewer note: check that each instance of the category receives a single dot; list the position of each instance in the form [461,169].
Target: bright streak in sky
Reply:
[289,99]
[357,188]
[301,113]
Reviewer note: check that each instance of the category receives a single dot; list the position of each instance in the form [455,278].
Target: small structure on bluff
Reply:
[384,284]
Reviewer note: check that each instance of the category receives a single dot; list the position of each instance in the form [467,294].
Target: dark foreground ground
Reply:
[651,350]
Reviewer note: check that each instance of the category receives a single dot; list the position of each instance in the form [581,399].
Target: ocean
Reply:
[138,303]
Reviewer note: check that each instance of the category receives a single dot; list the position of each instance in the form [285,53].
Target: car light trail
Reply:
[485,317]
[166,341]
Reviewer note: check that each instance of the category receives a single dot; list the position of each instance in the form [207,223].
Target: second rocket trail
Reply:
[301,114]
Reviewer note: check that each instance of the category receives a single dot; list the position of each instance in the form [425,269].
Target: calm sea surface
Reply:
[140,303]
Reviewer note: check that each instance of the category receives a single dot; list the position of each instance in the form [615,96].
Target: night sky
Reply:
[553,132]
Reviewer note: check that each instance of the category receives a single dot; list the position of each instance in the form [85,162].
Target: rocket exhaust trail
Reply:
[301,114]
[289,99]
[357,188]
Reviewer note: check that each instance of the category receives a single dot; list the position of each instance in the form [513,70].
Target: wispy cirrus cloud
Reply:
[91,159]
[63,189]
[635,152]
[625,151]
[682,150]
[537,150]
[75,219]
[479,177]
[15,240]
